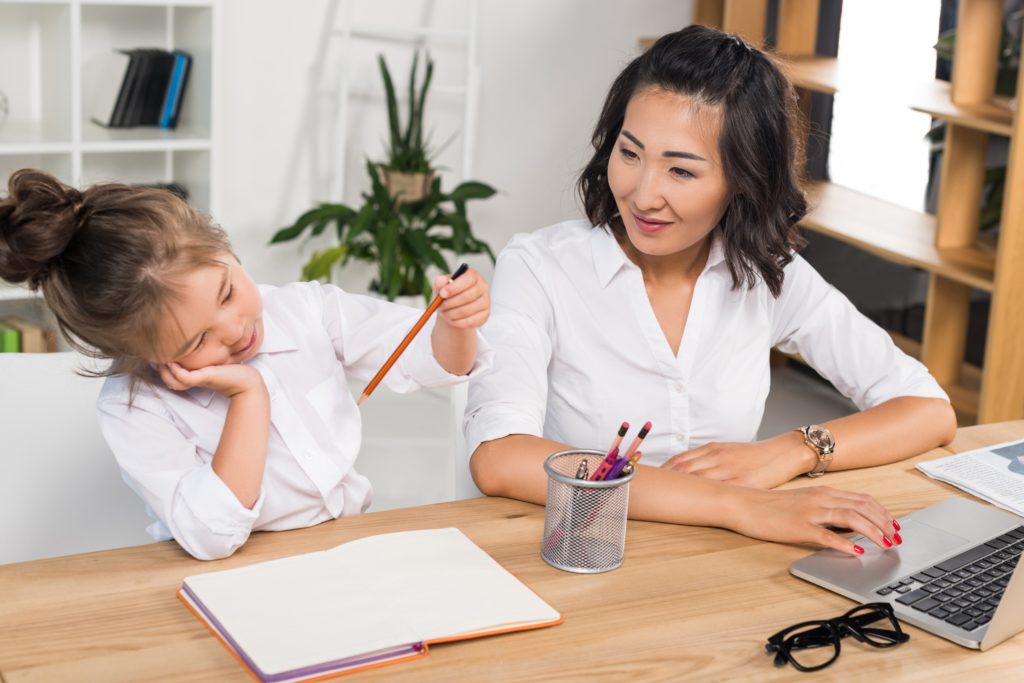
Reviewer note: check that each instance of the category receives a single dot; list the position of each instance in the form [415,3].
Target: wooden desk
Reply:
[688,602]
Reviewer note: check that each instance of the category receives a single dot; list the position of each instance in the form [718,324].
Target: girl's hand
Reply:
[762,464]
[808,515]
[467,301]
[230,380]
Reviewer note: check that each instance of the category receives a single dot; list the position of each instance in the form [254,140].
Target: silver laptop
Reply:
[954,575]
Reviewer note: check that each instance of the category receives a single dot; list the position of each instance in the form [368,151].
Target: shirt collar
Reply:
[609,258]
[276,339]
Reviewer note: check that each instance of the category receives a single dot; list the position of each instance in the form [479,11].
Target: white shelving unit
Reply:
[51,52]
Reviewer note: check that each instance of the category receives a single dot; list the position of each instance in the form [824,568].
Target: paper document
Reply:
[994,473]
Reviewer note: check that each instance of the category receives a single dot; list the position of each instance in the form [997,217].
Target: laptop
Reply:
[954,575]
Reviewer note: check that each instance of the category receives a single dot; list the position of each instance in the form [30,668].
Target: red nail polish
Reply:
[896,537]
[886,542]
[857,549]
[895,525]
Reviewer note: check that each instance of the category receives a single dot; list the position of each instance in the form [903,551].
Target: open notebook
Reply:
[369,602]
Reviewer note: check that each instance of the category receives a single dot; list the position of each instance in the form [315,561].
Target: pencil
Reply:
[618,437]
[639,438]
[408,338]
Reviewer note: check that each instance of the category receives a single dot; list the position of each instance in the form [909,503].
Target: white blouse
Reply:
[578,349]
[315,336]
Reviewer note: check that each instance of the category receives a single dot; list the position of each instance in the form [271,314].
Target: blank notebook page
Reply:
[366,595]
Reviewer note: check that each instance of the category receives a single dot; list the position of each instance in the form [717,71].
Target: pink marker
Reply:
[605,466]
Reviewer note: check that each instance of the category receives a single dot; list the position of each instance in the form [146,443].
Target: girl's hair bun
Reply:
[38,219]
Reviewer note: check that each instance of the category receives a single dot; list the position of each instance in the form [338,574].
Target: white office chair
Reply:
[465,487]
[60,490]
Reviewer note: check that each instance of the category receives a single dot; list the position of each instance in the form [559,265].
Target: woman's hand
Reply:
[230,379]
[761,464]
[467,300]
[809,515]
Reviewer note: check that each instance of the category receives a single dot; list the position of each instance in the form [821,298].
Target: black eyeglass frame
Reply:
[831,632]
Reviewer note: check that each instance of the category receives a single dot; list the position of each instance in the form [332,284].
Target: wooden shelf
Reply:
[818,74]
[893,233]
[935,100]
[964,396]
[16,293]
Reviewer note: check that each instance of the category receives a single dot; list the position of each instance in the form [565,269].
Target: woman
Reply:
[665,303]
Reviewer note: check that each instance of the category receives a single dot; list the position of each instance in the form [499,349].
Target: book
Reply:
[152,86]
[10,339]
[377,600]
[175,89]
[994,473]
[113,67]
[33,337]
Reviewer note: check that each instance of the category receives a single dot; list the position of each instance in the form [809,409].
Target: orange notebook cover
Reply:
[374,601]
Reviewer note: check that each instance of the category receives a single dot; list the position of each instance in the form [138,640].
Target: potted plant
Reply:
[406,223]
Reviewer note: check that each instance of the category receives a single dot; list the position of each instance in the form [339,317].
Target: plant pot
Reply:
[406,187]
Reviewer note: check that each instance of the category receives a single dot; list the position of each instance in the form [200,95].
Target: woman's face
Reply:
[218,318]
[665,172]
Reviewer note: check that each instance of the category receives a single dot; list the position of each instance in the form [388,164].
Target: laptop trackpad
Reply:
[923,546]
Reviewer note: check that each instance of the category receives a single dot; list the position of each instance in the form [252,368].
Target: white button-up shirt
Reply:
[578,349]
[315,336]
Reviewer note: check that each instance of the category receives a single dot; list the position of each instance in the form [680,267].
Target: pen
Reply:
[408,338]
[582,470]
[628,468]
[620,464]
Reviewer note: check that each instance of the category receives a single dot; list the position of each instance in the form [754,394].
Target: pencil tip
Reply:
[361,399]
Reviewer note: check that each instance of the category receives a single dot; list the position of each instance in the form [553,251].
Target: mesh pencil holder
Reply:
[584,521]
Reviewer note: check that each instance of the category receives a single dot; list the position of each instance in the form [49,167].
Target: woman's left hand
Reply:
[467,301]
[761,464]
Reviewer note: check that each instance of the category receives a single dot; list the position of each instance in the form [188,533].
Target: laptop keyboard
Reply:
[964,590]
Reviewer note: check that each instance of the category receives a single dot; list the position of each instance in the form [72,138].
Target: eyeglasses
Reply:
[813,645]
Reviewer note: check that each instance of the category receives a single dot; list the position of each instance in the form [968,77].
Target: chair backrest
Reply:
[61,491]
[465,487]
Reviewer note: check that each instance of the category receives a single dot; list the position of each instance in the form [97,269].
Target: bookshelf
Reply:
[946,246]
[50,56]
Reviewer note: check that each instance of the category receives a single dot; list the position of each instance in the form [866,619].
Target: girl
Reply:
[225,403]
[664,304]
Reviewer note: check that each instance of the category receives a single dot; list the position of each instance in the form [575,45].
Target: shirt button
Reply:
[309,453]
[679,387]
[680,436]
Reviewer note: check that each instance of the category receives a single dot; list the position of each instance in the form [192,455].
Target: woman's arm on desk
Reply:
[899,428]
[512,467]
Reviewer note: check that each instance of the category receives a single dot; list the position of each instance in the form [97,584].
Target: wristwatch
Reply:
[823,443]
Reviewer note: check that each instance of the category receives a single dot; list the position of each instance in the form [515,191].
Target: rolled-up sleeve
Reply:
[365,331]
[857,356]
[164,468]
[512,397]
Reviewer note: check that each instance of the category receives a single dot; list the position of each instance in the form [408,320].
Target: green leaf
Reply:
[320,264]
[419,243]
[389,90]
[471,189]
[318,217]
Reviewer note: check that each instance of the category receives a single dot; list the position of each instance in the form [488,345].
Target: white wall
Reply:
[546,65]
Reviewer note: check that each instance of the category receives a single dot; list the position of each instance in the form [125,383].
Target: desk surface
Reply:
[688,601]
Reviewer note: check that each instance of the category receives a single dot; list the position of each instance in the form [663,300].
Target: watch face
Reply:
[821,437]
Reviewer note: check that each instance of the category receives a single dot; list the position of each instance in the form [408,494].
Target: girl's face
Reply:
[217,320]
[665,172]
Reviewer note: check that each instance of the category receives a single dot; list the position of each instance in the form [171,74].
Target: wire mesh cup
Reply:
[584,521]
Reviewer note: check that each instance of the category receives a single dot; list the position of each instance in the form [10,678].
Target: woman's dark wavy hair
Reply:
[758,144]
